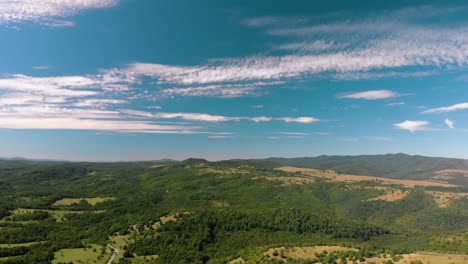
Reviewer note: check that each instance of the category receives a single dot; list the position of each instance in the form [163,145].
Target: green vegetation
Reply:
[201,212]
[91,254]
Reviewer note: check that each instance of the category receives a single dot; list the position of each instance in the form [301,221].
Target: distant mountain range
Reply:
[401,166]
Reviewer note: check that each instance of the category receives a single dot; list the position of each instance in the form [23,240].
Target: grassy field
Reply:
[334,176]
[83,255]
[9,258]
[59,215]
[310,253]
[288,180]
[163,220]
[18,245]
[443,199]
[91,201]
[303,253]
[426,258]
[390,194]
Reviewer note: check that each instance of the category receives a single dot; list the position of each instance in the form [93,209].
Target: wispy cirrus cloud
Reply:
[376,138]
[40,67]
[223,90]
[48,12]
[369,95]
[395,104]
[412,48]
[310,46]
[449,123]
[62,123]
[217,118]
[66,86]
[451,108]
[412,125]
[303,119]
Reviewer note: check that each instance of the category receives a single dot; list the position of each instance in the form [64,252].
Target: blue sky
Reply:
[142,79]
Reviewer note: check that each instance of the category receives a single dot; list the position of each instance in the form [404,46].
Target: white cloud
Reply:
[418,48]
[47,12]
[50,111]
[219,137]
[304,120]
[294,133]
[226,91]
[41,67]
[395,104]
[195,117]
[370,95]
[215,118]
[317,45]
[261,119]
[257,106]
[451,108]
[99,103]
[91,124]
[66,86]
[348,139]
[136,113]
[272,20]
[449,123]
[412,125]
[17,99]
[377,138]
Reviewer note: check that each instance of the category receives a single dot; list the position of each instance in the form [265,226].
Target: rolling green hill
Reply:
[196,211]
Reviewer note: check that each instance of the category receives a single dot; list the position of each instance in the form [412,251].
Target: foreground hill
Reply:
[253,211]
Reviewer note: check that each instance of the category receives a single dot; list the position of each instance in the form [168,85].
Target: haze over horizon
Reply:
[124,80]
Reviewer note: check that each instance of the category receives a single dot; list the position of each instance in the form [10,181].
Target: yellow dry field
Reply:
[426,258]
[238,260]
[443,199]
[287,180]
[334,176]
[445,175]
[308,253]
[390,195]
[91,201]
[163,220]
[302,252]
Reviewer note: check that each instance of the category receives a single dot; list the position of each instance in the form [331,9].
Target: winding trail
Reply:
[114,253]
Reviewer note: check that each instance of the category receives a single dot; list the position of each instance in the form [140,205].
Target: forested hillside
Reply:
[197,211]
[400,166]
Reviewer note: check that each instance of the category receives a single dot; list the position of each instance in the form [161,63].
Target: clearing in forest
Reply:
[91,201]
[390,195]
[285,180]
[18,245]
[334,176]
[450,174]
[425,258]
[163,220]
[59,215]
[443,199]
[93,254]
[302,252]
[310,253]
